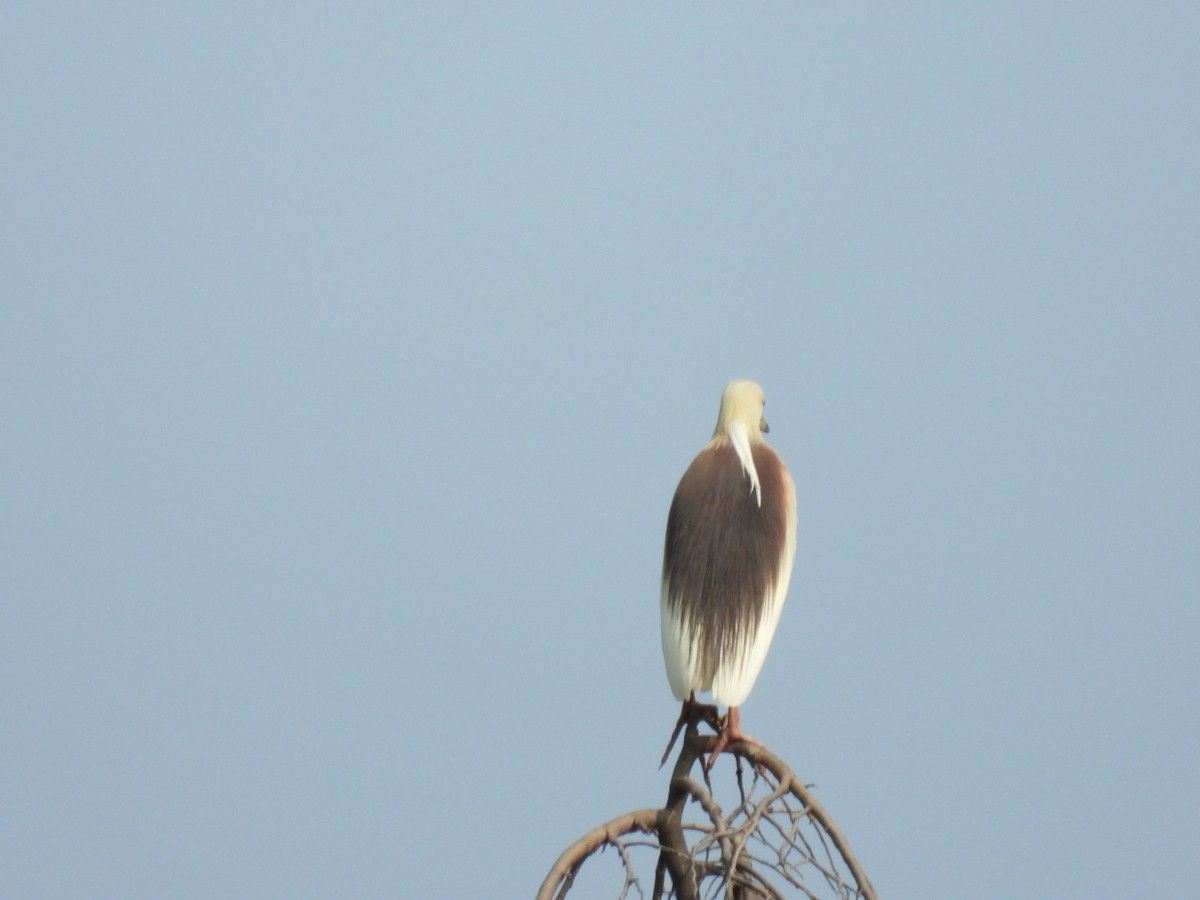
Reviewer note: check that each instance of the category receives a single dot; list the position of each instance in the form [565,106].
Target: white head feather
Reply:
[741,423]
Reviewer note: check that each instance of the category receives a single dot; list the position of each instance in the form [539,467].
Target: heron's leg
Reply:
[690,711]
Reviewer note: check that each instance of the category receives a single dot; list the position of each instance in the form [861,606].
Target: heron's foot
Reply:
[729,731]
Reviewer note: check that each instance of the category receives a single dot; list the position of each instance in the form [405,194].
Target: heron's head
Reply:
[742,404]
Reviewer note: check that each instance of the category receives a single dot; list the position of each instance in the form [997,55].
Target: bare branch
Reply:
[568,863]
[777,841]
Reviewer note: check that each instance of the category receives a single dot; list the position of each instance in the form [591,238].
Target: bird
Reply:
[727,562]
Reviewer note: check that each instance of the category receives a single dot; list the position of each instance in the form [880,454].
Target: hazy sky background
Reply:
[350,355]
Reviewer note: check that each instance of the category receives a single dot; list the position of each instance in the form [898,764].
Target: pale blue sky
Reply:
[349,357]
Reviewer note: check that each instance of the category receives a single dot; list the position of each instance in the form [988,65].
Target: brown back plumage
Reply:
[723,551]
